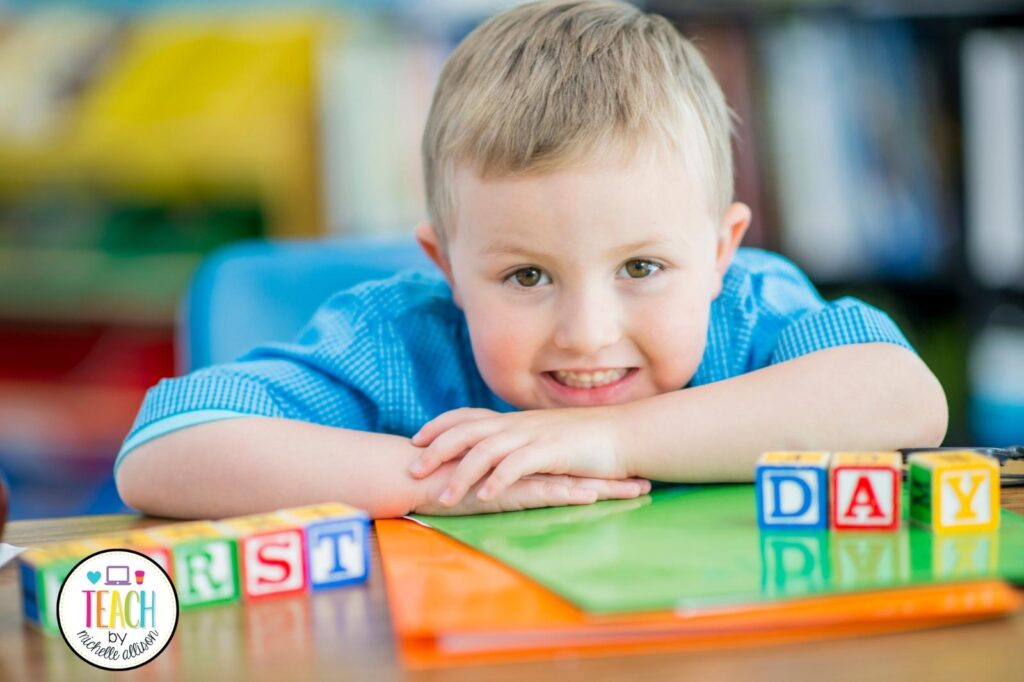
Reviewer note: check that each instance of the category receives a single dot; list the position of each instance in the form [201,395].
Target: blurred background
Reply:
[881,146]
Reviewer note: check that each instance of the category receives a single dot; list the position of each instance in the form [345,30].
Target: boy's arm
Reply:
[871,396]
[256,464]
[875,396]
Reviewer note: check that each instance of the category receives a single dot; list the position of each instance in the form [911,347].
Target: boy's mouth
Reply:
[589,379]
[583,388]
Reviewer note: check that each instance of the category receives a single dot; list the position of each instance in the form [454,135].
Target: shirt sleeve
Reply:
[329,375]
[792,319]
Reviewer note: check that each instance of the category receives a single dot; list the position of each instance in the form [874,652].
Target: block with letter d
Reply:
[337,548]
[792,490]
[204,557]
[864,491]
[954,491]
[271,554]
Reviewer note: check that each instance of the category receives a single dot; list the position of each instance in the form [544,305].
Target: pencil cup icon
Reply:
[139,576]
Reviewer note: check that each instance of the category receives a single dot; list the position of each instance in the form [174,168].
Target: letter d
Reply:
[804,491]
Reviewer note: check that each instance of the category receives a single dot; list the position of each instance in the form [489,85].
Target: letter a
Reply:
[864,495]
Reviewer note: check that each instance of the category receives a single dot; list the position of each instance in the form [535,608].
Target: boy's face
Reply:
[587,286]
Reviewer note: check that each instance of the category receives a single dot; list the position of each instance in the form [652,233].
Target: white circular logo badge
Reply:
[117,609]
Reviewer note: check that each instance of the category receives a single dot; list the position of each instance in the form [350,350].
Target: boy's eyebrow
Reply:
[507,248]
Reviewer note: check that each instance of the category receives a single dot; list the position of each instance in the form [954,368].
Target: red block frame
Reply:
[833,501]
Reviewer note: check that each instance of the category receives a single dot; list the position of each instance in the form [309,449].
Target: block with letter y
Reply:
[954,491]
[792,490]
[337,548]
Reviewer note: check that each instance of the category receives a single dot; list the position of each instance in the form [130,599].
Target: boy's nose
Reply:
[587,324]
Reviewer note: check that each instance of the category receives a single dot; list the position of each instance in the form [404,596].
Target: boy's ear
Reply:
[735,222]
[431,246]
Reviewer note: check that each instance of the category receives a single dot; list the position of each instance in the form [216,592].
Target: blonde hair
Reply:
[547,85]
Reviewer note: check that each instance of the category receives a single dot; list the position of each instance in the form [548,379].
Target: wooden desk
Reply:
[346,634]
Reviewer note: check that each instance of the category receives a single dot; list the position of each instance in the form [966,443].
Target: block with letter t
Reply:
[954,491]
[271,554]
[792,490]
[337,547]
[865,490]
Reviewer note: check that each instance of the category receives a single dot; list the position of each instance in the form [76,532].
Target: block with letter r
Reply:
[205,562]
[336,543]
[792,490]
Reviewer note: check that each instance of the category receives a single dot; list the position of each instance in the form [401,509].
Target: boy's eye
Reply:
[527,277]
[638,269]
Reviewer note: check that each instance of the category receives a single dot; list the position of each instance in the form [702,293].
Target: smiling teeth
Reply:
[589,380]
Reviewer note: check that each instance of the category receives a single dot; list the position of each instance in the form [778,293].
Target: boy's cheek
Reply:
[504,354]
[676,348]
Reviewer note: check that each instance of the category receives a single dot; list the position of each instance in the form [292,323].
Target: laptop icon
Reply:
[117,575]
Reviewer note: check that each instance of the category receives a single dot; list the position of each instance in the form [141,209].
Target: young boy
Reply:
[579,179]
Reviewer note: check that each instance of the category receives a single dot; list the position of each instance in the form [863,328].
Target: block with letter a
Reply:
[954,491]
[271,554]
[865,490]
[792,490]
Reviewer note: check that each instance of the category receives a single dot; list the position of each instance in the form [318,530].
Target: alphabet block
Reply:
[954,491]
[205,560]
[141,542]
[215,562]
[272,554]
[792,490]
[42,571]
[336,543]
[865,490]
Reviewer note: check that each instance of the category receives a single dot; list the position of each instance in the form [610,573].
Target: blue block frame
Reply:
[362,523]
[821,475]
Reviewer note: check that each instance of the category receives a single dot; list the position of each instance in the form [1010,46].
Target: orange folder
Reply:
[453,605]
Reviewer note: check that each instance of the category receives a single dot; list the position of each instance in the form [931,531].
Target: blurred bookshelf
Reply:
[880,145]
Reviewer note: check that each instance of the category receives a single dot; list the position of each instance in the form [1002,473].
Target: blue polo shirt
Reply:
[389,355]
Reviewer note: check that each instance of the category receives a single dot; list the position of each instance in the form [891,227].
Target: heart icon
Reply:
[93,576]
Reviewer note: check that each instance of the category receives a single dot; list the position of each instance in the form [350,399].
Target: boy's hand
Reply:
[577,441]
[538,490]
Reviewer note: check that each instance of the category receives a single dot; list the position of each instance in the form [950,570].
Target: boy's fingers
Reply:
[475,464]
[543,493]
[642,485]
[582,496]
[445,421]
[523,462]
[451,444]
[613,489]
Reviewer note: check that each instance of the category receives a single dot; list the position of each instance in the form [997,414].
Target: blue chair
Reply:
[266,290]
[254,291]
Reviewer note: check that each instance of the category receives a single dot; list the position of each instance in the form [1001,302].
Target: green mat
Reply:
[695,546]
